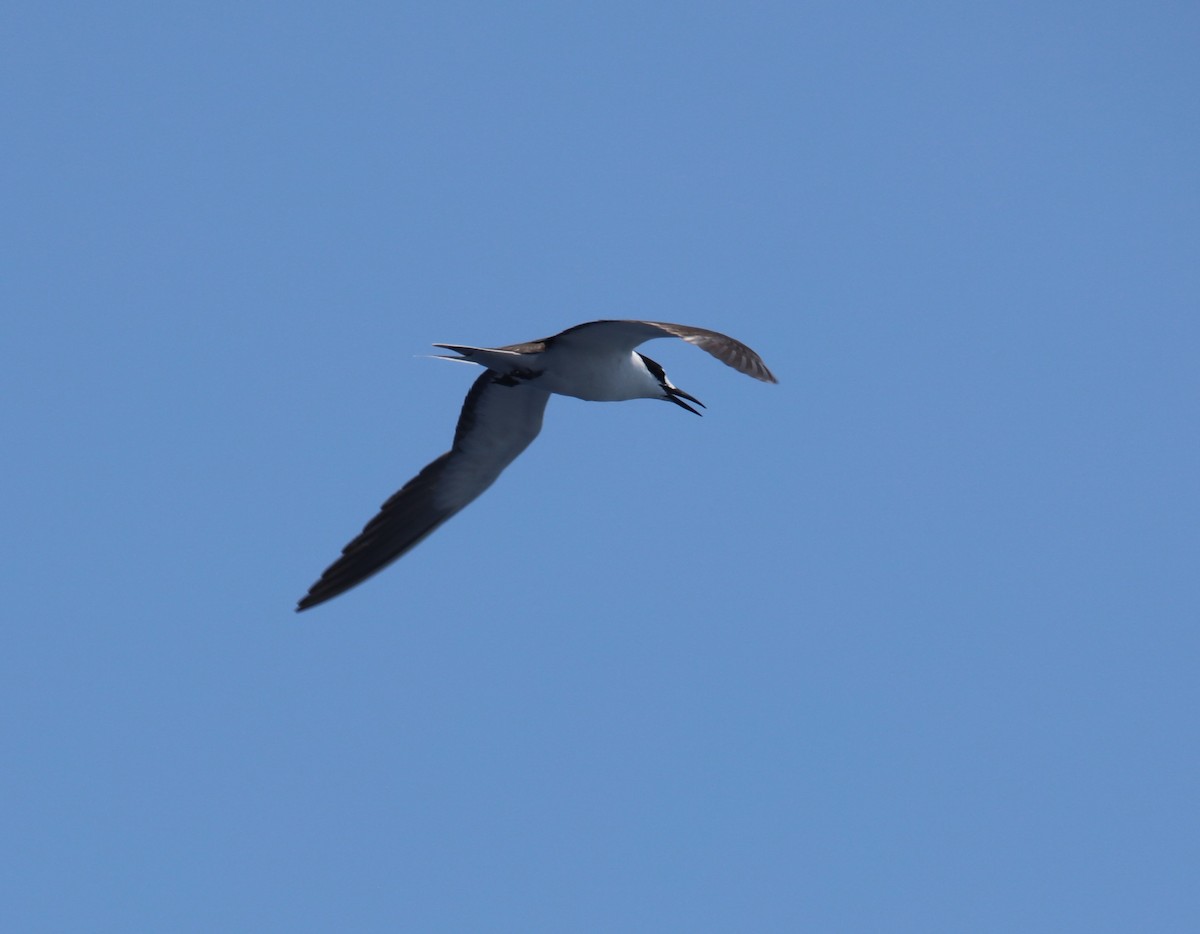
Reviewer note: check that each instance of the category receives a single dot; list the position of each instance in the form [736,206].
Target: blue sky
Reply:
[905,643]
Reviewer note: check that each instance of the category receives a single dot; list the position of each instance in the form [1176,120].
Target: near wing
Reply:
[499,419]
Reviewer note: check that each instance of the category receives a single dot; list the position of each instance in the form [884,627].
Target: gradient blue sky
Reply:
[905,643]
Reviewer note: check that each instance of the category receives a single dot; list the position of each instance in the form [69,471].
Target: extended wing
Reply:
[626,335]
[499,420]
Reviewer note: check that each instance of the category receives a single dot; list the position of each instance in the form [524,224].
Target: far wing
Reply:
[729,351]
[625,335]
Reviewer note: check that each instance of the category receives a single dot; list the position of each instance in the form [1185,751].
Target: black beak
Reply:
[677,395]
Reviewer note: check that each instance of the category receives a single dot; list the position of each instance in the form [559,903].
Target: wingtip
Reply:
[761,373]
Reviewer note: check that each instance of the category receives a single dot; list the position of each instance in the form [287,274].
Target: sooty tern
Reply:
[503,414]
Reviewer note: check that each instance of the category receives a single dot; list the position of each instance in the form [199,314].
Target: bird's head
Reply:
[670,392]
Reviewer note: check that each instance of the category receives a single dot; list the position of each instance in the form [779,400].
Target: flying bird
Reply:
[502,415]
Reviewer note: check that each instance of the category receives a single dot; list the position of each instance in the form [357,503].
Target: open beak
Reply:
[677,395]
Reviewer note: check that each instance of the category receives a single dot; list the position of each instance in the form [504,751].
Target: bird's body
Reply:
[502,415]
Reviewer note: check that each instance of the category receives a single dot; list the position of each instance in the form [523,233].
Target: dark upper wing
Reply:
[625,335]
[499,420]
[729,351]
